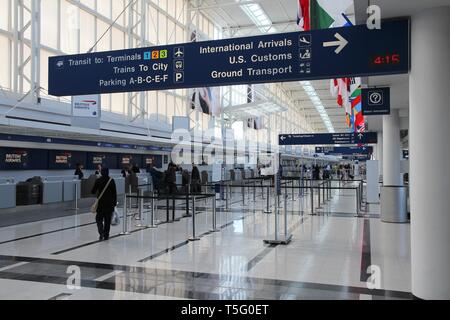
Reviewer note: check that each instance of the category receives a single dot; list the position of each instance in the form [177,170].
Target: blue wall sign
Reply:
[338,151]
[376,101]
[328,138]
[316,54]
[359,157]
[37,139]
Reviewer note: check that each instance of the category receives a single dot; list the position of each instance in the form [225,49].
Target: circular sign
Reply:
[375,98]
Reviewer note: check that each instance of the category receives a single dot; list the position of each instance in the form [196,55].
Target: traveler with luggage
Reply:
[105,189]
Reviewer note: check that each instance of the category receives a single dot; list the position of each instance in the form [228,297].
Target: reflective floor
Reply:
[334,254]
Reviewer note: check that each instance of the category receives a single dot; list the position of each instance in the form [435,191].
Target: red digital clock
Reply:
[388,59]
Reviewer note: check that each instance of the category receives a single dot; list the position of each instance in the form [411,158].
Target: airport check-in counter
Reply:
[71,190]
[53,188]
[7,193]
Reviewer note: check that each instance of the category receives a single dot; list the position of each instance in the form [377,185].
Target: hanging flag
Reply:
[325,14]
[303,18]
[334,88]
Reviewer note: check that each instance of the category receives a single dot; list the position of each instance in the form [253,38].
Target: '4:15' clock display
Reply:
[388,59]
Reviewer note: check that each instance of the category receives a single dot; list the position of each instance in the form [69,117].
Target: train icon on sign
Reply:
[179,65]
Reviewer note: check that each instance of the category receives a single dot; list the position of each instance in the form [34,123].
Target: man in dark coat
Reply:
[106,204]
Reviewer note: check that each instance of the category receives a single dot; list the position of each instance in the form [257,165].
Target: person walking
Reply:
[105,189]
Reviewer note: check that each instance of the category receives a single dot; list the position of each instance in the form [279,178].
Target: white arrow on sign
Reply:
[341,43]
[361,136]
[283,138]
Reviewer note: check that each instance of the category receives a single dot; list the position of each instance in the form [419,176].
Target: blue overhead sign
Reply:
[316,54]
[345,150]
[328,138]
[376,101]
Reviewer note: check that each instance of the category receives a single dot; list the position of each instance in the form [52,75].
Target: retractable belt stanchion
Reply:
[262,189]
[268,201]
[254,192]
[140,208]
[293,190]
[75,199]
[194,237]
[130,203]
[319,197]
[312,200]
[214,216]
[287,238]
[152,212]
[125,216]
[357,202]
[227,200]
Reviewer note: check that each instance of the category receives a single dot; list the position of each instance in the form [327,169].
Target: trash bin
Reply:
[393,204]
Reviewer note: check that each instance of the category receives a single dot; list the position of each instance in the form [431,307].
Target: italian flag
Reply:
[322,14]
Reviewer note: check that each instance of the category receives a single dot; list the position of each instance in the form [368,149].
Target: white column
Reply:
[430,154]
[392,149]
[379,148]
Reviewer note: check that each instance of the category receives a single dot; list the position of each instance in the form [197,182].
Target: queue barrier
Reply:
[140,198]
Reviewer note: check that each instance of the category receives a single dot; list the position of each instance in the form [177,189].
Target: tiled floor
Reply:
[326,259]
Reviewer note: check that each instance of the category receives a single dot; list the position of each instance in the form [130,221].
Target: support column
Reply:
[430,154]
[391,150]
[380,152]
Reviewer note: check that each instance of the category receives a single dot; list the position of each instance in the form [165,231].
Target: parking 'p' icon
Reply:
[179,77]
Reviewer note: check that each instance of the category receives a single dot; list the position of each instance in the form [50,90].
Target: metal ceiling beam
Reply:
[222,5]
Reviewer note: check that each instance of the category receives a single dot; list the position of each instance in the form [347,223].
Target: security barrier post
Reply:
[214,217]
[152,212]
[268,201]
[140,208]
[193,238]
[125,216]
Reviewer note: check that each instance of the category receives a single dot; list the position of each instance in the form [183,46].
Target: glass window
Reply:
[171,32]
[162,106]
[152,103]
[118,103]
[70,26]
[104,7]
[88,3]
[4,62]
[152,33]
[87,31]
[4,16]
[44,68]
[117,8]
[105,43]
[118,39]
[49,18]
[162,29]
[106,102]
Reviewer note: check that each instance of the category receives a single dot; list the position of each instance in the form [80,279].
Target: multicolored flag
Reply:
[303,16]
